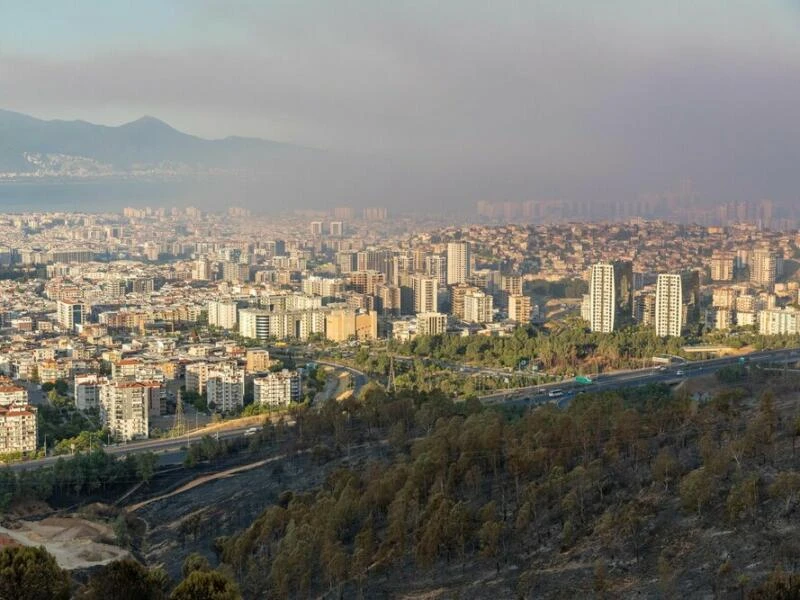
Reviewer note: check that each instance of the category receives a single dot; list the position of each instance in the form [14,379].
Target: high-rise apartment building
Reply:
[458,262]
[336,229]
[201,271]
[722,266]
[257,360]
[70,314]
[512,284]
[763,268]
[520,308]
[124,407]
[436,266]
[222,314]
[225,388]
[669,305]
[343,324]
[316,228]
[602,298]
[478,307]
[425,291]
[610,295]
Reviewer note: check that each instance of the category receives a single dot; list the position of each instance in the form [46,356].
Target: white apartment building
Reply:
[425,293]
[70,314]
[261,324]
[87,391]
[225,389]
[478,307]
[431,323]
[458,262]
[125,408]
[12,395]
[602,298]
[278,389]
[18,428]
[778,321]
[222,314]
[763,268]
[669,305]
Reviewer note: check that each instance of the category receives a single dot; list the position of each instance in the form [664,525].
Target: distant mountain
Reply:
[31,147]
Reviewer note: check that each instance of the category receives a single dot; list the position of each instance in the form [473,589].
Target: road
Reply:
[639,377]
[161,445]
[359,377]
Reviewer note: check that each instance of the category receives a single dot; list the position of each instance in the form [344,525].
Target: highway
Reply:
[637,377]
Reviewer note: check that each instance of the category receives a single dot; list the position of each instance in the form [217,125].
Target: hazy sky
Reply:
[511,100]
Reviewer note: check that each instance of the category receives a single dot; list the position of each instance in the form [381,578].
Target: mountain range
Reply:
[31,147]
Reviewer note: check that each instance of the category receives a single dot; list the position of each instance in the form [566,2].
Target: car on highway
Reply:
[251,431]
[680,372]
[556,393]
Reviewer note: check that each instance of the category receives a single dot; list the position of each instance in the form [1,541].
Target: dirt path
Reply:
[205,479]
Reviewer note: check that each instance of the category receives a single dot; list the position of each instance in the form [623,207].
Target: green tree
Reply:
[206,585]
[146,466]
[696,489]
[31,574]
[125,580]
[195,562]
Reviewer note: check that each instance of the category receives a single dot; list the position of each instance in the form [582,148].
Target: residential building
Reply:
[512,285]
[278,389]
[763,268]
[436,266]
[87,391]
[722,266]
[724,297]
[602,298]
[70,314]
[478,307]
[520,308]
[124,408]
[431,323]
[222,314]
[225,389]
[669,305]
[257,361]
[18,428]
[779,321]
[425,292]
[458,262]
[12,394]
[342,324]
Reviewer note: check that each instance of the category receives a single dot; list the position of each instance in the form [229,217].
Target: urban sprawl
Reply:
[134,310]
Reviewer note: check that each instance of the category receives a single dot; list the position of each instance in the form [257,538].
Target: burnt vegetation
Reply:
[622,493]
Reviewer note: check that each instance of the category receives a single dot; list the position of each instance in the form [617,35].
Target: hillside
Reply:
[78,148]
